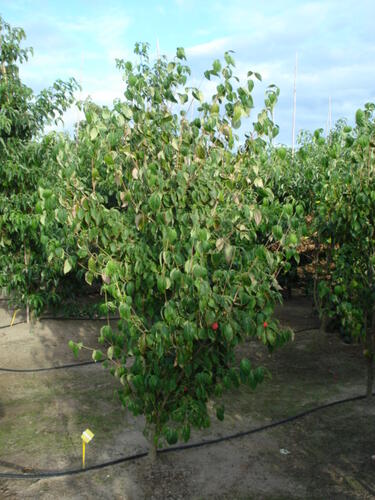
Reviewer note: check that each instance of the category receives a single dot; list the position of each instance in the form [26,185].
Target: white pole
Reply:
[329,114]
[329,117]
[294,104]
[157,49]
[80,98]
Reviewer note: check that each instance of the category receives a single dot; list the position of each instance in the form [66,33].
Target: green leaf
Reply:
[91,265]
[360,118]
[220,413]
[97,355]
[124,311]
[245,367]
[237,112]
[293,239]
[171,436]
[228,332]
[229,253]
[155,202]
[126,111]
[108,159]
[288,209]
[277,232]
[89,277]
[281,153]
[215,108]
[183,98]
[216,66]
[181,53]
[185,433]
[199,271]
[170,67]
[171,235]
[94,133]
[161,284]
[59,252]
[75,347]
[67,266]
[229,59]
[257,216]
[200,152]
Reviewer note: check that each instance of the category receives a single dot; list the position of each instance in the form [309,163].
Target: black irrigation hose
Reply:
[71,472]
[14,324]
[49,368]
[263,427]
[63,318]
[75,365]
[115,318]
[307,329]
[78,318]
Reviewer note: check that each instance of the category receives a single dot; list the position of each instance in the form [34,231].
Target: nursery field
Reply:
[220,288]
[323,455]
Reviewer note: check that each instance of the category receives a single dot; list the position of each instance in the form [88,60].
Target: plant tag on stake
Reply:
[14,317]
[86,437]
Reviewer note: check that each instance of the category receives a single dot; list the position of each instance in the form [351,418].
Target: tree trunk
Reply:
[370,375]
[317,301]
[27,304]
[152,452]
[370,332]
[370,354]
[323,323]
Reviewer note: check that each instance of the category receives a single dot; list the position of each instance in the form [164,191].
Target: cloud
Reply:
[336,51]
[109,32]
[334,40]
[211,49]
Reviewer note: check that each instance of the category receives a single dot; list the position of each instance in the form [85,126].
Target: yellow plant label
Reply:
[87,435]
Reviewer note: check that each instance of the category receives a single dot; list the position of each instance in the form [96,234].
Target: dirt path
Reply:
[325,455]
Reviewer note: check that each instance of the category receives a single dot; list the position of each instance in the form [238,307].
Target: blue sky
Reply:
[335,41]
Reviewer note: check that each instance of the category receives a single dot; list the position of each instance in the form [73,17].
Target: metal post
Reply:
[294,105]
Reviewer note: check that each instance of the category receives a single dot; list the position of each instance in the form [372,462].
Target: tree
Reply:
[345,217]
[24,169]
[186,237]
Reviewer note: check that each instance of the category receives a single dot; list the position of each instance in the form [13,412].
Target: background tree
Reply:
[25,168]
[345,214]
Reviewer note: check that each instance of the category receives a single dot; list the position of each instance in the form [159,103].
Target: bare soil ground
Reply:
[326,455]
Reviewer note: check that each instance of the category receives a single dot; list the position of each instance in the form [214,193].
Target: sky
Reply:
[334,40]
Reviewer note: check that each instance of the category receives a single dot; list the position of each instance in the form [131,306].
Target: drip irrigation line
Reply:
[75,365]
[102,465]
[49,368]
[77,318]
[264,427]
[63,318]
[115,318]
[307,329]
[69,472]
[14,324]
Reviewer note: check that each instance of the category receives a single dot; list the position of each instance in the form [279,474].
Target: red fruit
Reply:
[265,324]
[185,389]
[215,326]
